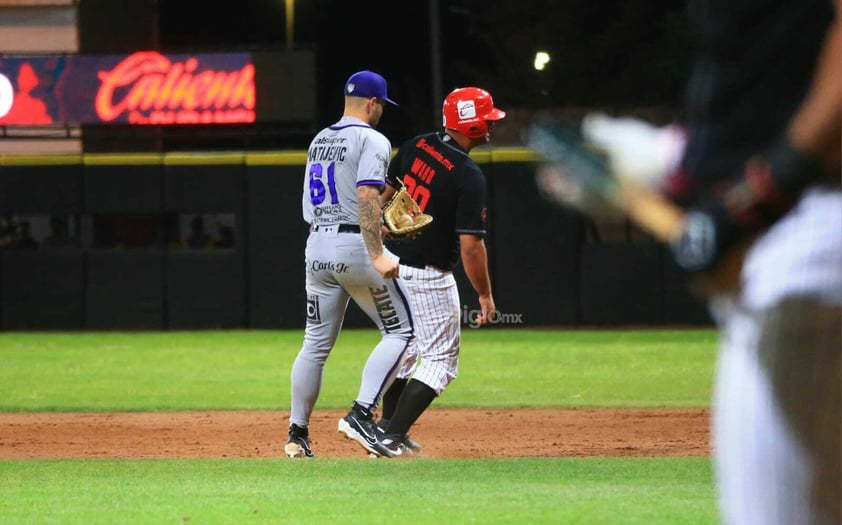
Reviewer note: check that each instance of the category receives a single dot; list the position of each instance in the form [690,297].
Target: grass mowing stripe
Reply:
[250,369]
[550,490]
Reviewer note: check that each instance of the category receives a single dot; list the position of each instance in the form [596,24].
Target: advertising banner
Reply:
[142,88]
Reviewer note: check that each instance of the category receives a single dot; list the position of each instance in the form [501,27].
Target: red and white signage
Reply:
[145,87]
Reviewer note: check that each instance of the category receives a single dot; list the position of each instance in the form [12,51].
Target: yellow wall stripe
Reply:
[261,158]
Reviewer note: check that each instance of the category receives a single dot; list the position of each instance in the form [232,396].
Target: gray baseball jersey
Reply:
[341,157]
[338,267]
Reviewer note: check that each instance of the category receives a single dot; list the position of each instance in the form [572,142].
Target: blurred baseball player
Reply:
[345,259]
[447,184]
[761,232]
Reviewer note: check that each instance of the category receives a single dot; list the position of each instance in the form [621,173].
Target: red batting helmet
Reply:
[468,110]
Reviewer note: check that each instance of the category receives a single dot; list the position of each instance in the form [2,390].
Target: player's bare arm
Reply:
[475,261]
[370,221]
[816,127]
[369,210]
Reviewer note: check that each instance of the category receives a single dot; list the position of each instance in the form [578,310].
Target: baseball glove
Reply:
[403,217]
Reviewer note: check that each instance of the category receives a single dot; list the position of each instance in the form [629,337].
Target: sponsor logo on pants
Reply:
[383,303]
[313,315]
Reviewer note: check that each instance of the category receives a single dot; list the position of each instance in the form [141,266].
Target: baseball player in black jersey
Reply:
[759,184]
[447,184]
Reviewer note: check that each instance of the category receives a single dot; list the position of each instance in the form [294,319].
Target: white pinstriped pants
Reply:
[433,356]
[776,407]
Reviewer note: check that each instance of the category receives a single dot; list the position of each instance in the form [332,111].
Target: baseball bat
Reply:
[584,180]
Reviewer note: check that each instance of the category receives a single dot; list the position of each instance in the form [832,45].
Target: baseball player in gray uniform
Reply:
[446,183]
[345,259]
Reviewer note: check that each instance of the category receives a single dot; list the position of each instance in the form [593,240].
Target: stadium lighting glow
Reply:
[541,60]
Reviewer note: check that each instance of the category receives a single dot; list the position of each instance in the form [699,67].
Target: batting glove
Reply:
[637,151]
[767,188]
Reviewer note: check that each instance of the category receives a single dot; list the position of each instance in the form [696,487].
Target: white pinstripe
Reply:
[433,357]
[766,472]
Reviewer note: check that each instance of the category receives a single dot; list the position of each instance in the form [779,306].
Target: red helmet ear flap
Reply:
[468,110]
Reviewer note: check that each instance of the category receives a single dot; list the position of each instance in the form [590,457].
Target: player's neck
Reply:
[466,143]
[354,114]
[359,108]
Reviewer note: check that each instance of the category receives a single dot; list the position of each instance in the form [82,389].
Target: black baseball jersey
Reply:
[751,73]
[447,184]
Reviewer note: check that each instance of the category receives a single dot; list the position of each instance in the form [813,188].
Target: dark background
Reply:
[612,54]
[553,265]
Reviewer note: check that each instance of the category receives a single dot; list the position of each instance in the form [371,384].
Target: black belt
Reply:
[343,228]
[423,266]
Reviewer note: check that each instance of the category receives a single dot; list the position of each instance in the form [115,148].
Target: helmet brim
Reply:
[495,114]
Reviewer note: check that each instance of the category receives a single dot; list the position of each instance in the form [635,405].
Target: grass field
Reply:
[250,370]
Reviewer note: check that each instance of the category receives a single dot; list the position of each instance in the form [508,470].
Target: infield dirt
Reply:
[456,433]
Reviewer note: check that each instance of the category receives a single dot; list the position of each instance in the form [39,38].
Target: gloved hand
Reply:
[402,217]
[768,188]
[637,151]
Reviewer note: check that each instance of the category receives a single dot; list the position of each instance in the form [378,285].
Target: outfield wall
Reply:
[549,266]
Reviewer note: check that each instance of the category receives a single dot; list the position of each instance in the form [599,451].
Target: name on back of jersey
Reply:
[327,149]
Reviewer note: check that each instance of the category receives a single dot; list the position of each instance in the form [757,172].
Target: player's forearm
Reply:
[369,210]
[815,128]
[475,262]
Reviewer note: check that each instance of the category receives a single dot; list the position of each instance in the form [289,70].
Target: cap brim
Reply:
[390,101]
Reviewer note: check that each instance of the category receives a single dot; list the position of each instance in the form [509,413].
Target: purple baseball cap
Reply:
[367,84]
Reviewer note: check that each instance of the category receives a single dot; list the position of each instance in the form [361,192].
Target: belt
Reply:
[428,267]
[343,228]
[421,266]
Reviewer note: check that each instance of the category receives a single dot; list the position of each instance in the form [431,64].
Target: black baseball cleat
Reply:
[298,444]
[359,425]
[394,443]
[410,445]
